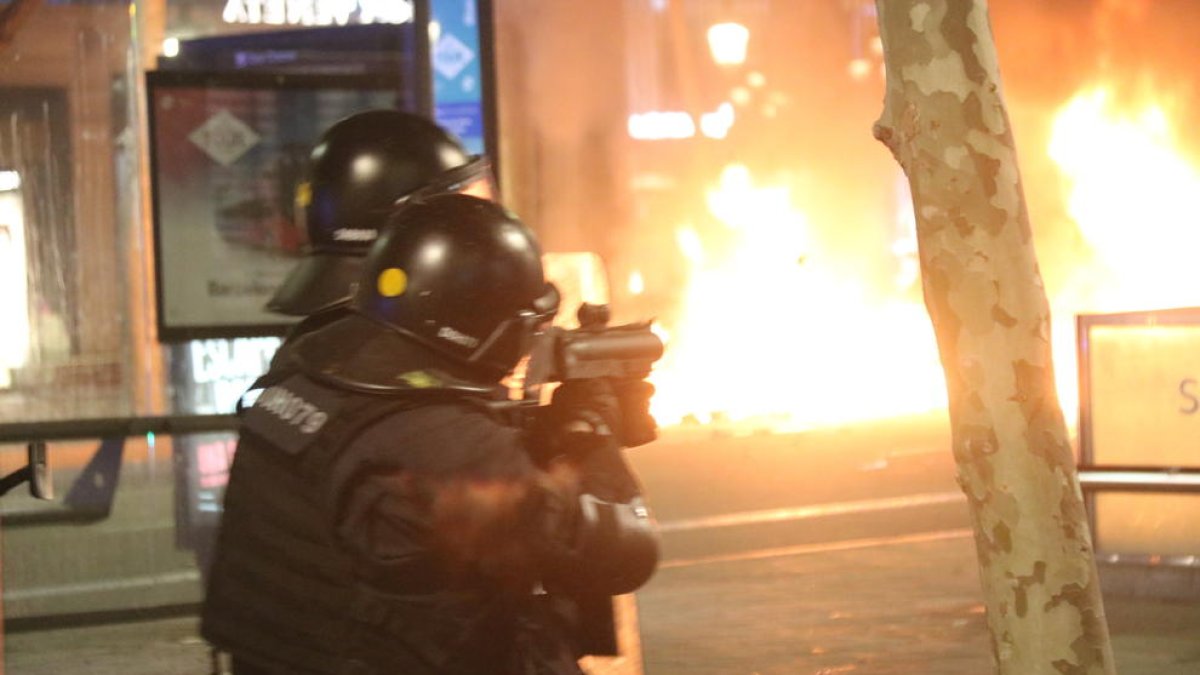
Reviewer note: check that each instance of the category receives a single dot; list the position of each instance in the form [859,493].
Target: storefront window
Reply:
[69,145]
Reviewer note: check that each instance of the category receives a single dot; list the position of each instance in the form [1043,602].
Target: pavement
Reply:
[823,553]
[909,604]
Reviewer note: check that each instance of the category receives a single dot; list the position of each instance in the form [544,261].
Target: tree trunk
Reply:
[944,121]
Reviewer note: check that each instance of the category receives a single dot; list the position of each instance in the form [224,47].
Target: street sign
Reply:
[1144,394]
[1139,394]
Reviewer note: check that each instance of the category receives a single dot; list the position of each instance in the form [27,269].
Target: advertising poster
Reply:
[228,153]
[210,377]
[458,71]
[1140,398]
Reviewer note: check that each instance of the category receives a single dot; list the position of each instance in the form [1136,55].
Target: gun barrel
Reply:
[616,352]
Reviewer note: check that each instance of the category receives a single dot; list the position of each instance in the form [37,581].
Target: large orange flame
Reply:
[773,335]
[1133,194]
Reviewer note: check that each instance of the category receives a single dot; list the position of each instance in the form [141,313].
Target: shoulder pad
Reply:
[291,414]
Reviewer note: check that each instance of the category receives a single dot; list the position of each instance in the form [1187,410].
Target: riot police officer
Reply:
[359,169]
[383,517]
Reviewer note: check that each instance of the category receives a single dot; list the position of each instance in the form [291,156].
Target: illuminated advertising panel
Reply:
[1145,394]
[1140,389]
[14,289]
[219,372]
[227,152]
[460,65]
[1140,410]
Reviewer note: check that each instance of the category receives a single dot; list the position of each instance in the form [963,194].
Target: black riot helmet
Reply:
[448,299]
[358,171]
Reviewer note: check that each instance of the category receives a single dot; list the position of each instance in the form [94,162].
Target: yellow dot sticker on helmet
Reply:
[392,282]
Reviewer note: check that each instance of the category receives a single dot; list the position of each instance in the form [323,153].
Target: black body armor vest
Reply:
[284,596]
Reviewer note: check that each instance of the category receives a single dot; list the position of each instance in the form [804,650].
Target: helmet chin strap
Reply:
[490,355]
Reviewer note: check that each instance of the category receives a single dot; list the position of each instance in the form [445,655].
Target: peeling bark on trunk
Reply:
[944,121]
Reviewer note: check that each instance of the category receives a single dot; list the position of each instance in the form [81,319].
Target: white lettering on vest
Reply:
[292,409]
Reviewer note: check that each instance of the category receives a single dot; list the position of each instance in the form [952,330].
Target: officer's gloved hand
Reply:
[586,411]
[607,408]
[637,426]
[584,420]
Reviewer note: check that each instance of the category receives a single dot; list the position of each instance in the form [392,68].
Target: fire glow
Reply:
[1132,195]
[775,336]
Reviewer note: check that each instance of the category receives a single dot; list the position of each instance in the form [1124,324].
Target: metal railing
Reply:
[114,427]
[90,497]
[1139,479]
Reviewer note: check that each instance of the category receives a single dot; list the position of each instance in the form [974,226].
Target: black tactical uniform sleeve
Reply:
[442,495]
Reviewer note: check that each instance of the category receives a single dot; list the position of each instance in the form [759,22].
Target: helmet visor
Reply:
[474,178]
